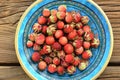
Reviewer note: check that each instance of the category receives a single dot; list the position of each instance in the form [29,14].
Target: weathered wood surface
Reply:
[10,13]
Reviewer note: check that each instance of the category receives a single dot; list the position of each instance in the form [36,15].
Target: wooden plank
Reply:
[11,11]
[16,73]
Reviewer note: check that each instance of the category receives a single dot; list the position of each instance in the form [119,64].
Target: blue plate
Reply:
[99,24]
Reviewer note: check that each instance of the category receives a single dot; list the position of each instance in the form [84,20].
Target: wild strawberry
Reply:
[60,70]
[53,18]
[95,42]
[86,44]
[72,35]
[42,65]
[36,56]
[86,29]
[61,15]
[68,18]
[46,12]
[83,65]
[32,36]
[47,49]
[58,34]
[29,43]
[79,25]
[52,54]
[37,28]
[56,61]
[80,32]
[79,50]
[61,54]
[52,68]
[42,20]
[76,61]
[77,43]
[60,24]
[85,20]
[86,54]
[71,69]
[88,36]
[68,48]
[62,8]
[68,28]
[48,60]
[77,17]
[69,58]
[44,29]
[56,46]
[53,12]
[42,52]
[36,47]
[51,29]
[63,40]
[50,40]
[64,64]
[40,39]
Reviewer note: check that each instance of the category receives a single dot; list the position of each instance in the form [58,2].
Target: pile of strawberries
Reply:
[61,41]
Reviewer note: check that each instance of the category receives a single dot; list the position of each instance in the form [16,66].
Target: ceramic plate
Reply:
[99,24]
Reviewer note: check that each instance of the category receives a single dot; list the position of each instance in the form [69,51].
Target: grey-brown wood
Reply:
[10,13]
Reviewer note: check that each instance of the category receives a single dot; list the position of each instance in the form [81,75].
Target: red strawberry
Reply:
[71,69]
[79,50]
[79,25]
[42,20]
[46,12]
[88,36]
[51,29]
[64,64]
[47,49]
[83,65]
[61,54]
[56,46]
[61,15]
[36,47]
[36,56]
[58,34]
[40,39]
[68,48]
[77,17]
[52,54]
[29,43]
[95,43]
[68,28]
[44,29]
[32,36]
[50,40]
[42,65]
[53,18]
[86,45]
[84,19]
[62,8]
[80,32]
[37,28]
[86,29]
[77,43]
[68,18]
[52,68]
[60,70]
[63,40]
[60,24]
[53,12]
[69,58]
[76,61]
[56,61]
[72,35]
[48,60]
[42,52]
[87,54]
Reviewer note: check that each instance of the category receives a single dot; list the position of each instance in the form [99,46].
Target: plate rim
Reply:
[38,1]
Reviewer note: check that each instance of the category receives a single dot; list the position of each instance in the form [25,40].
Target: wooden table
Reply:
[10,13]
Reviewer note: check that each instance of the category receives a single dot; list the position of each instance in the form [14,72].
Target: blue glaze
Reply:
[98,24]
